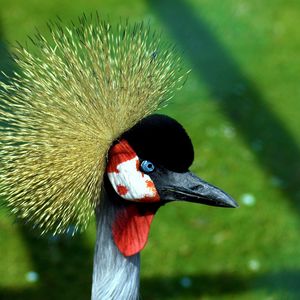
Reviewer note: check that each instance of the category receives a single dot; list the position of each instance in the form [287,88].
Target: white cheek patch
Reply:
[126,178]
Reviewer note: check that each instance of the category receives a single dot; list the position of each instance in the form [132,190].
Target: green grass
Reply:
[241,107]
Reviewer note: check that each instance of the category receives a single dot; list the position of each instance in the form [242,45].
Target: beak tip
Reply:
[235,205]
[231,203]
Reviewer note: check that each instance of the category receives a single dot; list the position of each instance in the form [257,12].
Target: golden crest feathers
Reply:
[74,94]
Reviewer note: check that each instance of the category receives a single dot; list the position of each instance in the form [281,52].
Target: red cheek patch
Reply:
[122,190]
[129,182]
[131,228]
[150,185]
[119,153]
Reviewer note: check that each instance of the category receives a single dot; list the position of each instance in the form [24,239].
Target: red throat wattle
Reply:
[131,227]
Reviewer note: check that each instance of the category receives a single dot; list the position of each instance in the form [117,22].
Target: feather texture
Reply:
[75,93]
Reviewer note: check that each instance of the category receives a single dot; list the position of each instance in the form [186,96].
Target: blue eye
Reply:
[147,166]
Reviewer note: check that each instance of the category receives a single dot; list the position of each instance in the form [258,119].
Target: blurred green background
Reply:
[241,107]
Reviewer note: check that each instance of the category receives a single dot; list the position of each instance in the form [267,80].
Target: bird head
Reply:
[147,168]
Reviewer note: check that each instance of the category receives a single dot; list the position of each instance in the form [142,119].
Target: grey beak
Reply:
[188,187]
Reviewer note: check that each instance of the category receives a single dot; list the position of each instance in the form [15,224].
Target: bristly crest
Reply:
[72,97]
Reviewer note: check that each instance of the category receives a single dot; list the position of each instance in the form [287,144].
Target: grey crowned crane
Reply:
[147,168]
[79,137]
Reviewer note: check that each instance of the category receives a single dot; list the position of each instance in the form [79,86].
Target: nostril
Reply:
[196,187]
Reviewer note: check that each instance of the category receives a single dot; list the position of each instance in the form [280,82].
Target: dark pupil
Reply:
[149,166]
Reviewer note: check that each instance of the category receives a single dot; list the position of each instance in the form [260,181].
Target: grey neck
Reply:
[115,277]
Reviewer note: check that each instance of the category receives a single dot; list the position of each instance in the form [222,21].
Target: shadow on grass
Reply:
[284,283]
[196,285]
[276,149]
[63,265]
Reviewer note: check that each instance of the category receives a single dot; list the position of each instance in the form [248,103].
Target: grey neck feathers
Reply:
[115,277]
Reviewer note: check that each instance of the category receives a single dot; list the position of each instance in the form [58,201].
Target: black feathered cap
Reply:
[163,141]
